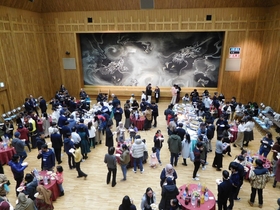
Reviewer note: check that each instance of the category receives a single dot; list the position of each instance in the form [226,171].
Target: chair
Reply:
[19,109]
[14,114]
[6,117]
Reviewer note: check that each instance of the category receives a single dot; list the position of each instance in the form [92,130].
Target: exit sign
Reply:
[234,52]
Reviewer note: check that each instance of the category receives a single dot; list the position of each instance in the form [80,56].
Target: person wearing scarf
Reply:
[168,171]
[24,203]
[43,200]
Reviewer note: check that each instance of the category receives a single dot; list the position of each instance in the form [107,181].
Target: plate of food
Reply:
[36,194]
[71,150]
[49,172]
[24,164]
[52,178]
[218,181]
[21,188]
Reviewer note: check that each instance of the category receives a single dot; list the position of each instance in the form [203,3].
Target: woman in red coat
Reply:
[24,134]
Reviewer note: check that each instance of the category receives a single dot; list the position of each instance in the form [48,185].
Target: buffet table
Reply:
[210,204]
[6,155]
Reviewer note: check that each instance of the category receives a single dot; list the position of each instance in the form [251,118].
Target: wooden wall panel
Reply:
[72,81]
[54,61]
[229,82]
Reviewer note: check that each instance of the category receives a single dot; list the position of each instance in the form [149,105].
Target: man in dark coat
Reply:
[224,191]
[43,105]
[109,137]
[181,131]
[118,111]
[57,144]
[169,191]
[154,113]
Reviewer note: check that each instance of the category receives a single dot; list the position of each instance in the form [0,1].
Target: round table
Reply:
[210,204]
[139,123]
[52,186]
[6,155]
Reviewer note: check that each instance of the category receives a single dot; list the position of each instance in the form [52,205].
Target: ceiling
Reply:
[102,5]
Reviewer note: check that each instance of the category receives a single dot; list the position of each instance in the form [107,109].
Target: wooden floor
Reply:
[94,193]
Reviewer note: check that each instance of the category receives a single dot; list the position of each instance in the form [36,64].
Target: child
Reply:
[143,96]
[59,179]
[186,98]
[132,132]
[154,160]
[132,98]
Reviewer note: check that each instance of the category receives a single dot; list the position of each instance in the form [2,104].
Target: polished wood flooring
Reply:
[94,193]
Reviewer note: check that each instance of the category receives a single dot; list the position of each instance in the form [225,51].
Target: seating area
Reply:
[11,115]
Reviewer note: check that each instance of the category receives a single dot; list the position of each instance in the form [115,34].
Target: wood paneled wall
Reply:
[24,65]
[36,44]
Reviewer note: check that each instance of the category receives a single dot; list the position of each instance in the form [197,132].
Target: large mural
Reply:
[189,59]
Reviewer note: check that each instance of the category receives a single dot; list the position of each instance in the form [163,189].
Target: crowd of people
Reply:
[67,129]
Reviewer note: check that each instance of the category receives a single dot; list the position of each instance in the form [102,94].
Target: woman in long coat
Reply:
[186,148]
[109,137]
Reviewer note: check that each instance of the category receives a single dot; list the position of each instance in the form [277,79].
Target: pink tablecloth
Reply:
[52,186]
[210,204]
[233,131]
[139,123]
[6,155]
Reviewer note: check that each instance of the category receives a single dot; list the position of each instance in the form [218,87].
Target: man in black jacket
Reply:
[224,191]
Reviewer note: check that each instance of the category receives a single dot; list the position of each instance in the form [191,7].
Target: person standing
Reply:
[149,93]
[224,191]
[69,144]
[168,192]
[42,105]
[158,140]
[197,159]
[218,159]
[248,133]
[154,114]
[124,160]
[118,111]
[157,94]
[48,158]
[166,172]
[78,158]
[175,147]
[111,161]
[17,170]
[148,198]
[127,204]
[19,146]
[275,149]
[258,178]
[235,182]
[24,135]
[148,118]
[57,144]
[138,148]
[266,144]
[178,93]
[186,148]
[174,94]
[109,137]
[240,135]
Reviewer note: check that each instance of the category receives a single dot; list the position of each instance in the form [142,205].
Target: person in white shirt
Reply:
[91,132]
[75,137]
[239,112]
[207,103]
[174,94]
[248,133]
[240,135]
